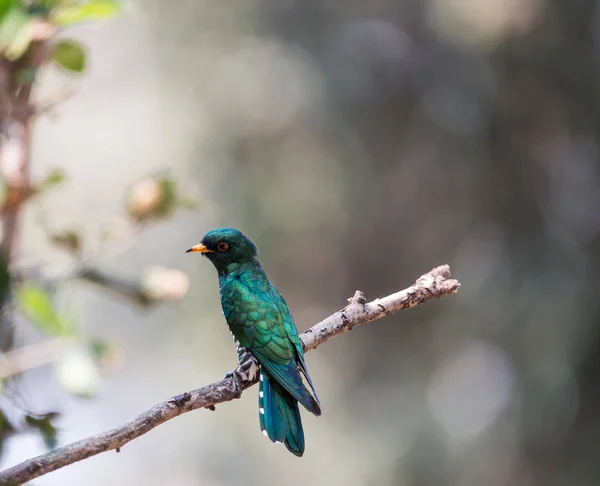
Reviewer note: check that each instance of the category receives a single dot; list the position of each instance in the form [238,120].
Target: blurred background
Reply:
[359,144]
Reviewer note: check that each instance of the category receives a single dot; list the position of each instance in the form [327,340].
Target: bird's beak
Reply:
[199,248]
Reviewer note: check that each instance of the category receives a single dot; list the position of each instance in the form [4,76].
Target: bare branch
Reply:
[119,286]
[30,357]
[434,284]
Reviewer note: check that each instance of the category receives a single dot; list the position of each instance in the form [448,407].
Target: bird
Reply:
[263,327]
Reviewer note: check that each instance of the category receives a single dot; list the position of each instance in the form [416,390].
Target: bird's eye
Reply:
[222,246]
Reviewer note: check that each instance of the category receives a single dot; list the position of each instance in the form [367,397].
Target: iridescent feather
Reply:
[262,324]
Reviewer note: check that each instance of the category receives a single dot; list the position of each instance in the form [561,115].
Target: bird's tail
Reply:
[279,415]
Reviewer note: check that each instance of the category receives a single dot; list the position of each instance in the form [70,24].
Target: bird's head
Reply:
[226,248]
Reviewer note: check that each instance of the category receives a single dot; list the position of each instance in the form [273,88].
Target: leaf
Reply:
[100,348]
[44,424]
[93,10]
[20,42]
[15,31]
[169,196]
[70,54]
[6,429]
[4,6]
[50,4]
[5,425]
[108,356]
[68,240]
[55,177]
[37,305]
[49,434]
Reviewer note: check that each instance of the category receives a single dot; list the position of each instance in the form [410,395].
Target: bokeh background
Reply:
[359,144]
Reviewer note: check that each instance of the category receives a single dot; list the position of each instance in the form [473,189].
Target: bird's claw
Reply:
[248,367]
[253,370]
[247,371]
[236,381]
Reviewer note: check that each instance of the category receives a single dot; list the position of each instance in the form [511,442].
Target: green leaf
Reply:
[37,305]
[20,42]
[5,425]
[15,31]
[44,424]
[108,356]
[50,4]
[100,348]
[54,178]
[70,55]
[6,429]
[4,6]
[93,10]
[169,196]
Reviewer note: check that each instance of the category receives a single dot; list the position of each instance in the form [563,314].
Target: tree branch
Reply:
[16,116]
[20,360]
[434,284]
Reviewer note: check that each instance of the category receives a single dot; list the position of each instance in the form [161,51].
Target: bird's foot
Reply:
[234,375]
[248,367]
[254,370]
[247,371]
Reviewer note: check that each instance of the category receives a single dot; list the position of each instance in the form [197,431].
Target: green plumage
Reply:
[262,324]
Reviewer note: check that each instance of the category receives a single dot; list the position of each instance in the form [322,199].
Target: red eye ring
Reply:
[222,246]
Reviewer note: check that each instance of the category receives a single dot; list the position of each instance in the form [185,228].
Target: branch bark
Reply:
[433,284]
[16,116]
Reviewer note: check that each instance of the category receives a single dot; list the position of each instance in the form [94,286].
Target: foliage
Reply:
[44,424]
[23,22]
[65,13]
[70,55]
[80,359]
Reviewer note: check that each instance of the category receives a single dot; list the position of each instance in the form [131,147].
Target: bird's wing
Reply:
[256,319]
[292,334]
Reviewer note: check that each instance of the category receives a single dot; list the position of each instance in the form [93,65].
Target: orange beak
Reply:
[198,248]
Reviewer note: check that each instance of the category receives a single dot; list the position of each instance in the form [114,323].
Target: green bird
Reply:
[262,325]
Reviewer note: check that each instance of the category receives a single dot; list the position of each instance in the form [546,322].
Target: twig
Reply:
[434,284]
[30,357]
[119,286]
